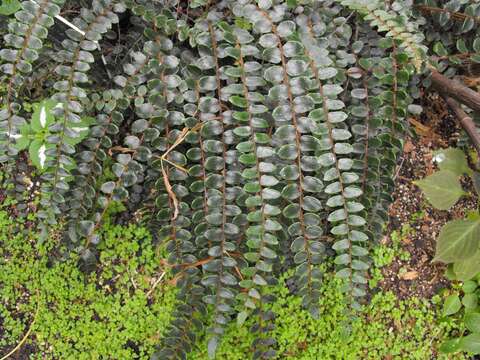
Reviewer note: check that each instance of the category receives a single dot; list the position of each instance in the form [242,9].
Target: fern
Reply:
[23,42]
[74,64]
[253,136]
[394,25]
[91,163]
[25,37]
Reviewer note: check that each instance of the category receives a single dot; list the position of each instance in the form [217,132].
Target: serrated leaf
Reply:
[472,322]
[442,189]
[458,240]
[9,7]
[452,305]
[470,343]
[452,159]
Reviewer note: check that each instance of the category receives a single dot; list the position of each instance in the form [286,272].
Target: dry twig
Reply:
[163,158]
[155,284]
[27,334]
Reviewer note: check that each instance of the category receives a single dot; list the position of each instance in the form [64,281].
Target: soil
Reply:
[419,276]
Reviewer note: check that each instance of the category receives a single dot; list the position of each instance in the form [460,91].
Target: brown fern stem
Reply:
[455,90]
[457,16]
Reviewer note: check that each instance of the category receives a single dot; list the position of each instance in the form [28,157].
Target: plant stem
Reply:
[456,90]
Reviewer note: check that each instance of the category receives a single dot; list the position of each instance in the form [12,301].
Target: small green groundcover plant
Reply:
[113,313]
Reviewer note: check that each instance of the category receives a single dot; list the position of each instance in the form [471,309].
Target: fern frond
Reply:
[25,39]
[85,191]
[394,26]
[74,65]
[250,135]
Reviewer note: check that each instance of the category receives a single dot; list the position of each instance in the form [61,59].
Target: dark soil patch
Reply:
[23,353]
[419,276]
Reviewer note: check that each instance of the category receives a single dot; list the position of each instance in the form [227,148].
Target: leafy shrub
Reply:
[257,136]
[464,305]
[458,243]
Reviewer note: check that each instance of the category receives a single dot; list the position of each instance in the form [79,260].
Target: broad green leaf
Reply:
[452,159]
[442,189]
[22,142]
[9,7]
[23,139]
[450,346]
[82,128]
[470,343]
[469,286]
[452,305]
[458,240]
[472,322]
[37,152]
[470,301]
[42,116]
[466,269]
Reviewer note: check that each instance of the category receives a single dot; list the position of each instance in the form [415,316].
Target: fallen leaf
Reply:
[408,147]
[409,275]
[406,240]
[420,128]
[427,132]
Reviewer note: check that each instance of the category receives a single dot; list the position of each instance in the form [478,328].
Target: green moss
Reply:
[384,254]
[102,315]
